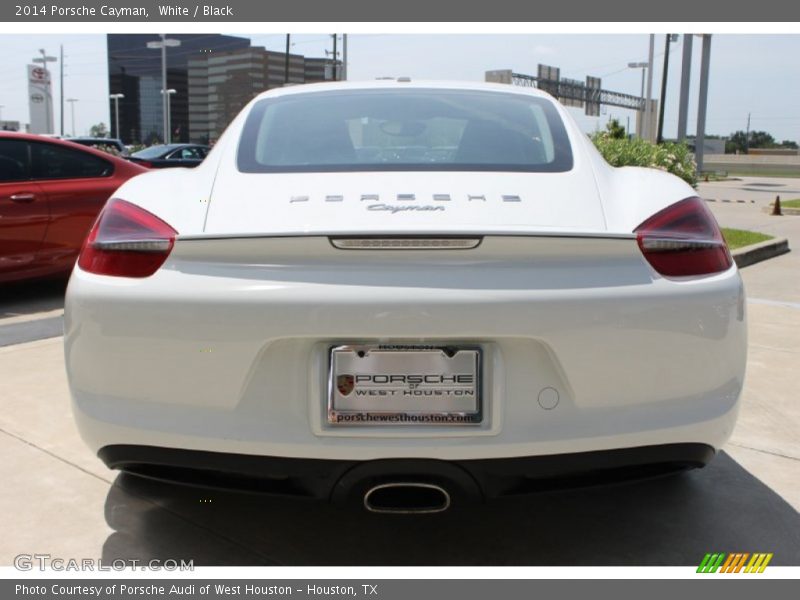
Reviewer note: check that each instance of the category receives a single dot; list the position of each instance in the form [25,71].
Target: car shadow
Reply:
[27,298]
[672,520]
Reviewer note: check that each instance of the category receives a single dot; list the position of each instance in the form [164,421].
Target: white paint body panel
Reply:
[225,347]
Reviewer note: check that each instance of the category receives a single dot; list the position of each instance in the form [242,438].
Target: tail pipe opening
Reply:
[407,498]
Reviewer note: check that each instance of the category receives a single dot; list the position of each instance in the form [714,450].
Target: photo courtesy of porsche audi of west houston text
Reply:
[405,295]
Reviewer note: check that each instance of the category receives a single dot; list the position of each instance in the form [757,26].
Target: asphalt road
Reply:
[57,498]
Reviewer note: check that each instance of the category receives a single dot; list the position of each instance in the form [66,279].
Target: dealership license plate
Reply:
[404,385]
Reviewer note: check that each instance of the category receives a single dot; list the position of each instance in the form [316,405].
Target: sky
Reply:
[750,74]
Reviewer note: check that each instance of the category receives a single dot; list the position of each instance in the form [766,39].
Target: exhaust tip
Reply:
[406,498]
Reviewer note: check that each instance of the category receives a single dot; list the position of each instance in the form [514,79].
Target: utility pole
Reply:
[335,53]
[702,102]
[660,136]
[344,57]
[747,136]
[648,101]
[61,88]
[686,73]
[286,71]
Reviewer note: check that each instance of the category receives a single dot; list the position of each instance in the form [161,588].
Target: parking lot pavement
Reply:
[767,436]
[57,498]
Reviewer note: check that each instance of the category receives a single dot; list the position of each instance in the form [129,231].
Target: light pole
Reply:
[116,98]
[671,37]
[163,45]
[286,65]
[648,133]
[643,67]
[334,54]
[167,95]
[48,100]
[72,102]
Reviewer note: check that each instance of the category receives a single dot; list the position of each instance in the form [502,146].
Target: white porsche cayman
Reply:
[405,293]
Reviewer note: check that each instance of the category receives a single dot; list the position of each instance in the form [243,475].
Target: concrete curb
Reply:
[750,255]
[784,210]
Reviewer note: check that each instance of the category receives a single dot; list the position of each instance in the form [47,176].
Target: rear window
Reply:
[152,152]
[404,130]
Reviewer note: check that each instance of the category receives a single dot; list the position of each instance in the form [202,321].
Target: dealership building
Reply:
[213,76]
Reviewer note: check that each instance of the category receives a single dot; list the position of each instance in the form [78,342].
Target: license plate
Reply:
[404,385]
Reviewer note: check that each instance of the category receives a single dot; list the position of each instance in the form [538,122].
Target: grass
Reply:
[791,203]
[739,238]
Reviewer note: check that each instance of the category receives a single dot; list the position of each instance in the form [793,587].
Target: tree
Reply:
[761,139]
[739,142]
[99,130]
[615,130]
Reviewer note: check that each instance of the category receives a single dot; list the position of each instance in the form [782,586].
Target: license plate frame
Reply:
[450,393]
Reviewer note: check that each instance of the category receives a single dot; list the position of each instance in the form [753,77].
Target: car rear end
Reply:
[394,334]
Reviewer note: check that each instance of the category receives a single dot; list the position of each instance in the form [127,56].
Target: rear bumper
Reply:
[226,348]
[345,480]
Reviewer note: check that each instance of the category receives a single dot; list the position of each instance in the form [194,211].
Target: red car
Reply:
[50,193]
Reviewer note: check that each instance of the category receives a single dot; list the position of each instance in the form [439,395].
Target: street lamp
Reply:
[72,102]
[167,95]
[643,66]
[163,45]
[47,97]
[116,98]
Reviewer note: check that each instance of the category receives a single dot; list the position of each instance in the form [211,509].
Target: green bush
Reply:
[668,156]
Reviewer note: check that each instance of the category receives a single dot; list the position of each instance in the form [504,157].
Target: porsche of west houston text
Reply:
[408,293]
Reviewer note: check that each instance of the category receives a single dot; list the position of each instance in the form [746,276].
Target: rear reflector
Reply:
[405,243]
[126,241]
[684,240]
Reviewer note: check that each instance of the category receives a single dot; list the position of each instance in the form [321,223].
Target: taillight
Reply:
[126,241]
[684,239]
